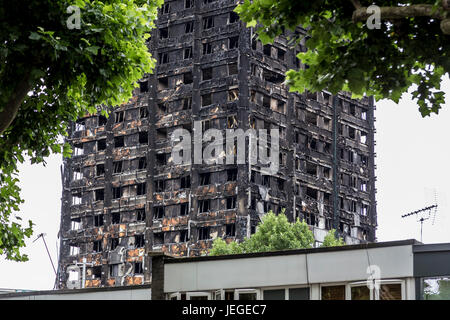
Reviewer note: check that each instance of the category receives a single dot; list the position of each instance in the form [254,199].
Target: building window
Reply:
[231,203]
[188,53]
[333,292]
[117,166]
[164,33]
[184,209]
[98,220]
[143,86]
[206,99]
[101,144]
[140,215]
[205,178]
[207,48]
[119,142]
[165,9]
[143,137]
[208,23]
[116,192]
[115,217]
[138,268]
[142,163]
[141,189]
[207,74]
[97,247]
[114,243]
[119,116]
[234,17]
[99,194]
[185,182]
[139,241]
[233,42]
[203,233]
[102,120]
[158,212]
[230,230]
[188,4]
[189,27]
[231,174]
[163,58]
[203,206]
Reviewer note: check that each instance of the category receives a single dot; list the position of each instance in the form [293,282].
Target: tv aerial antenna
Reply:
[424,214]
[42,235]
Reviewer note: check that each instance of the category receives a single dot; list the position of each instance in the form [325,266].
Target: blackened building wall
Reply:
[124,196]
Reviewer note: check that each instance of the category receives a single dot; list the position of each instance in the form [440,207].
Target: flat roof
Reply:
[298,251]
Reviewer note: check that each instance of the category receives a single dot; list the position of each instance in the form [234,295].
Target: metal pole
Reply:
[84,273]
[42,235]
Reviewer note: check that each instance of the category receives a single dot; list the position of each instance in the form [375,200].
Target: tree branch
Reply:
[12,106]
[395,13]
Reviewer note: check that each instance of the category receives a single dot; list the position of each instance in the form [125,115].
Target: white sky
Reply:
[413,160]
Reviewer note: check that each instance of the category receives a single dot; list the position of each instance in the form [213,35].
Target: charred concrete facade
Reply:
[124,197]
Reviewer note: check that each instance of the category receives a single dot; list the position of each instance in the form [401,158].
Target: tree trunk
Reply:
[9,112]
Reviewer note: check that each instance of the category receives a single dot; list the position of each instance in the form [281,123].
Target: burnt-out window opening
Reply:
[140,215]
[231,202]
[233,17]
[119,116]
[352,109]
[281,184]
[187,53]
[327,173]
[232,69]
[280,54]
[158,212]
[266,180]
[163,33]
[143,86]
[189,27]
[139,241]
[163,58]
[232,122]
[163,83]
[364,160]
[75,224]
[205,178]
[158,238]
[232,174]
[141,189]
[233,95]
[351,132]
[253,176]
[203,205]
[99,194]
[206,99]
[207,48]
[273,77]
[114,243]
[97,246]
[159,185]
[208,23]
[165,9]
[143,113]
[184,209]
[207,73]
[310,218]
[203,233]
[115,217]
[100,170]
[187,103]
[311,118]
[313,144]
[101,144]
[184,236]
[96,272]
[206,125]
[230,230]
[187,78]
[185,182]
[233,42]
[102,120]
[364,115]
[363,137]
[116,192]
[266,101]
[138,268]
[113,270]
[117,166]
[142,163]
[312,193]
[119,142]
[161,159]
[267,48]
[143,137]
[311,168]
[98,220]
[188,4]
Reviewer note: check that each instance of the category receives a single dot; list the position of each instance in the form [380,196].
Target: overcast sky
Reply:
[413,160]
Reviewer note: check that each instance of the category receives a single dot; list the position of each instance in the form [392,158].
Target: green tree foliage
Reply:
[274,233]
[331,240]
[53,71]
[410,48]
